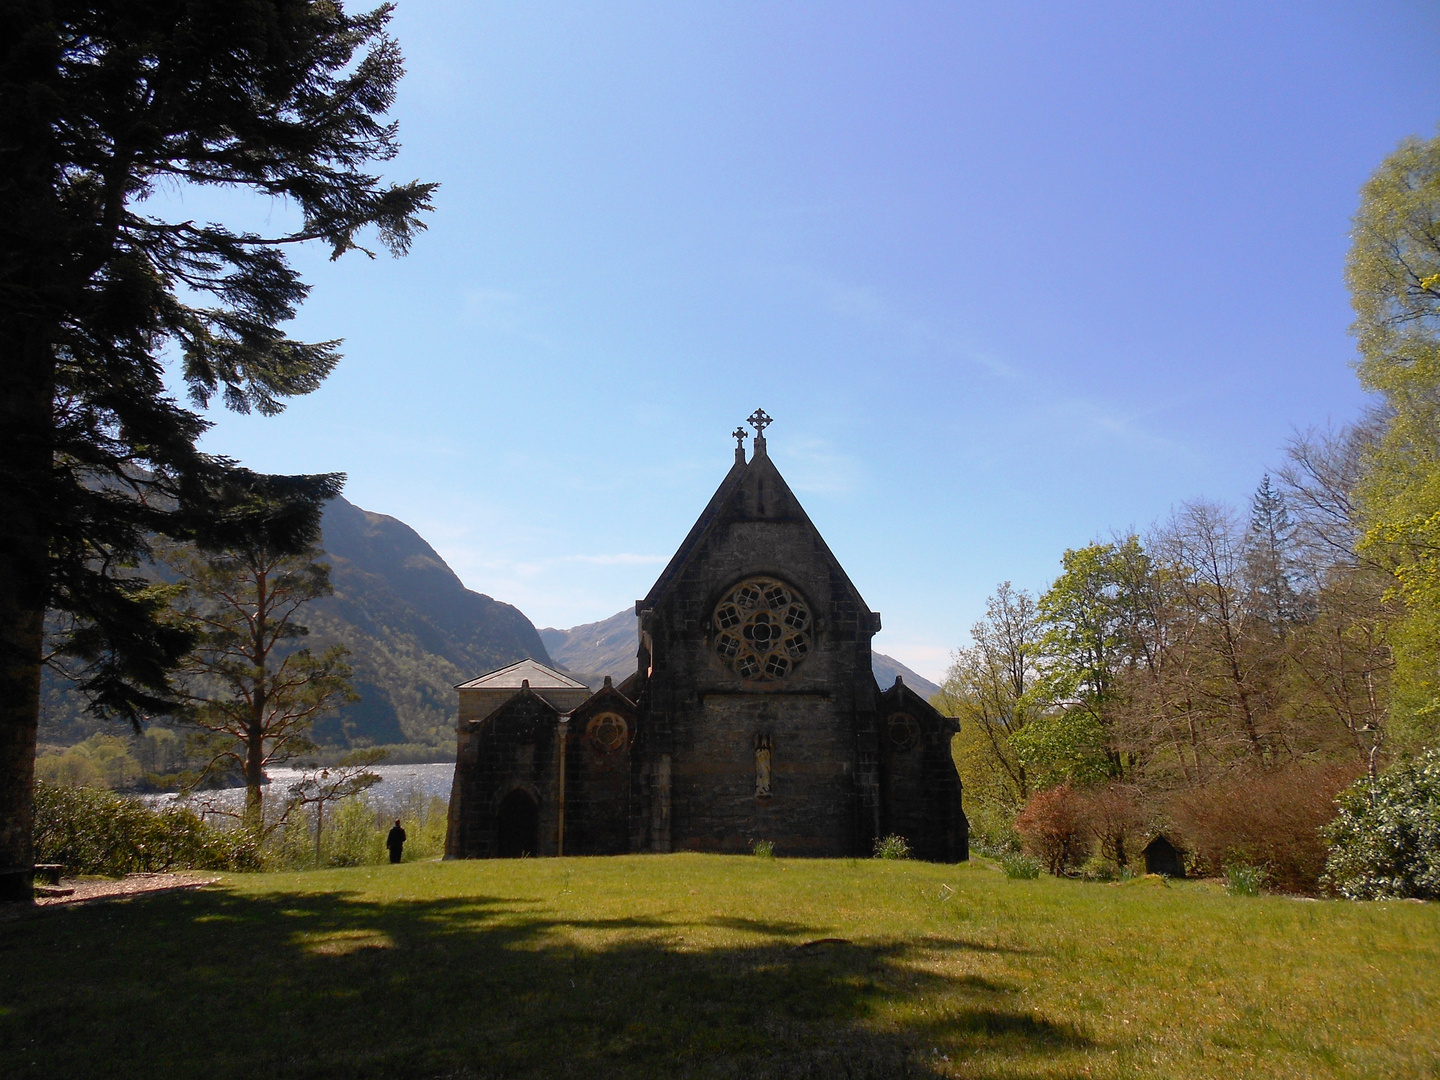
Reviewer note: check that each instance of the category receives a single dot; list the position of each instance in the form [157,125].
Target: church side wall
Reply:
[597,795]
[920,784]
[517,748]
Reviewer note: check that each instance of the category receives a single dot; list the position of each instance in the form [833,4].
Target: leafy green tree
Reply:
[102,106]
[1393,271]
[322,785]
[249,686]
[987,687]
[1099,622]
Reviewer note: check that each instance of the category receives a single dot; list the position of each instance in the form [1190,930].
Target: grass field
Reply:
[687,965]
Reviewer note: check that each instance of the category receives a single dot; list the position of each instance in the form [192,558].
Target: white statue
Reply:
[762,766]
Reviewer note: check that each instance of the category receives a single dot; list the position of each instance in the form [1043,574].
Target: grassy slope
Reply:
[689,965]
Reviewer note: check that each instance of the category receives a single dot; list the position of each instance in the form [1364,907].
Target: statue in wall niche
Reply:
[762,766]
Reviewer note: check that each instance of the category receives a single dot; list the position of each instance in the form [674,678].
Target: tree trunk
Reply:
[26,438]
[254,778]
[21,635]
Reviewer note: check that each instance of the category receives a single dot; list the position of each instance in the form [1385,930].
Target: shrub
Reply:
[1112,816]
[763,849]
[351,836]
[1020,866]
[1272,820]
[1053,828]
[1391,848]
[1243,880]
[1100,868]
[892,847]
[992,828]
[92,831]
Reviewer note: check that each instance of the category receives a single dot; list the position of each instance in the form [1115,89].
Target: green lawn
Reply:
[715,966]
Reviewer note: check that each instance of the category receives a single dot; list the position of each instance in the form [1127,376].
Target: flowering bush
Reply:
[1386,843]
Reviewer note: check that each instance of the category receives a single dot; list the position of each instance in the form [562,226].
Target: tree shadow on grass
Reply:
[335,985]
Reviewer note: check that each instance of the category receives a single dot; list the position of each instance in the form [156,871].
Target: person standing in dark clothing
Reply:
[395,841]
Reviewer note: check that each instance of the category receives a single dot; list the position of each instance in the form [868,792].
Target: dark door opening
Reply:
[517,825]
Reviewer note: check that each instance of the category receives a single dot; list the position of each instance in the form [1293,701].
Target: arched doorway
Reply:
[516,825]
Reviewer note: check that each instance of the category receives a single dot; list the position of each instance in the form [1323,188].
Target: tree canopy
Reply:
[103,106]
[1394,275]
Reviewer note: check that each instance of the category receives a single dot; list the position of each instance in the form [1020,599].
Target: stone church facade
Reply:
[754,714]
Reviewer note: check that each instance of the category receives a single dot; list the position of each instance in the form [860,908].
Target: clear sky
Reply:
[1007,276]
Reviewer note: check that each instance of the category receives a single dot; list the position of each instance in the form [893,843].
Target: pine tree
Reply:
[101,105]
[1270,566]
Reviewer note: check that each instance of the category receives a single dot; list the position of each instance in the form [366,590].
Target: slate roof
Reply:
[727,505]
[537,674]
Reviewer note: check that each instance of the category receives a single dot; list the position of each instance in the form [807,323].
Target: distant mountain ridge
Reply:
[412,627]
[591,651]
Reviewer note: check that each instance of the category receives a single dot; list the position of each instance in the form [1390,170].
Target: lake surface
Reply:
[396,782]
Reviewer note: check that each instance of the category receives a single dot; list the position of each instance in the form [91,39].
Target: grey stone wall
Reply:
[705,717]
[597,780]
[920,788]
[517,747]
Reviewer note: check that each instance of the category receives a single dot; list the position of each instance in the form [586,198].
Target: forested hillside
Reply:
[412,628]
[594,650]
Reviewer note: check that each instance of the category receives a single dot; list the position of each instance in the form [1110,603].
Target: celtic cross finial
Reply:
[759,421]
[739,435]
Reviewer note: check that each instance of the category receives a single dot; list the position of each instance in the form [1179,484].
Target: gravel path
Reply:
[87,890]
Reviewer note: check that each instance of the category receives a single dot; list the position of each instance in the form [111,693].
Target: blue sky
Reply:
[1007,277]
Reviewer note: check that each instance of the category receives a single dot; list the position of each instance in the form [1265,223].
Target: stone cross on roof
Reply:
[739,435]
[759,421]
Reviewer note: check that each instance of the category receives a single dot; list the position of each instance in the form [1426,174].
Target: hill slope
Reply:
[608,648]
[413,630]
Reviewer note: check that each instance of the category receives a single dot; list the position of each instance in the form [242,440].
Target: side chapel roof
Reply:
[535,673]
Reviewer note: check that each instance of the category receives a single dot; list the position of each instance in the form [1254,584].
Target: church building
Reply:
[754,714]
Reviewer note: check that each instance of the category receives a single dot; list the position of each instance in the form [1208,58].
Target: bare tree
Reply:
[1230,672]
[332,784]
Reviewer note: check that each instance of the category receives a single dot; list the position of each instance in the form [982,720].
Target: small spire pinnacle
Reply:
[739,435]
[759,421]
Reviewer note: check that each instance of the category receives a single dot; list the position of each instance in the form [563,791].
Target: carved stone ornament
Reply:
[762,629]
[903,732]
[606,732]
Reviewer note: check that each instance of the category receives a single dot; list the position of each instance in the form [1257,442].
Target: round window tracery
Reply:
[606,732]
[903,731]
[762,628]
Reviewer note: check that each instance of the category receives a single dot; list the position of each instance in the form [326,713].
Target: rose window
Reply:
[762,629]
[606,732]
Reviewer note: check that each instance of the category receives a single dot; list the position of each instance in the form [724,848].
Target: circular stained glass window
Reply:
[762,629]
[606,732]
